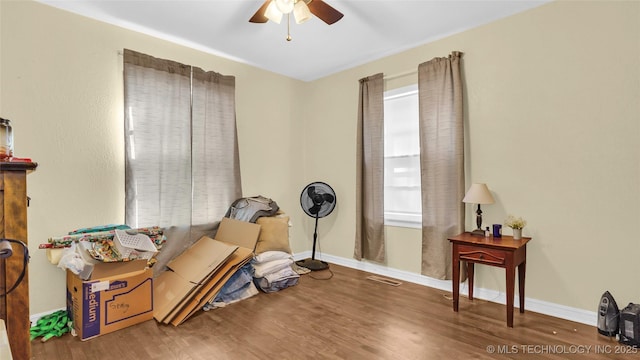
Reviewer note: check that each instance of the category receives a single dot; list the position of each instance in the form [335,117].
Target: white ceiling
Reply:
[369,30]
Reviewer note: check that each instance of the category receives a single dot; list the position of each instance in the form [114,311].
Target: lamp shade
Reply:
[301,12]
[272,13]
[478,194]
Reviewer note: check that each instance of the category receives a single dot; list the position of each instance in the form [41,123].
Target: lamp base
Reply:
[478,232]
[312,264]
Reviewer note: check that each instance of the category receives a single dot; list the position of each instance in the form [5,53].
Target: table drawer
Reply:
[482,255]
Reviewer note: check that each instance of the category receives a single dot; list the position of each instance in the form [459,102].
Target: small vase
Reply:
[517,234]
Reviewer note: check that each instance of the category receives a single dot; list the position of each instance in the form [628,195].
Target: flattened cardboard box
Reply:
[194,272]
[187,274]
[116,296]
[212,287]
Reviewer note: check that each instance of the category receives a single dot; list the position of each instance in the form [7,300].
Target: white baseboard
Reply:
[539,306]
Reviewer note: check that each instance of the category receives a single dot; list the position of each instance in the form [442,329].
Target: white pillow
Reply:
[271,255]
[269,267]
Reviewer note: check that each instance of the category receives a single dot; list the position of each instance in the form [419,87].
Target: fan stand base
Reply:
[313,264]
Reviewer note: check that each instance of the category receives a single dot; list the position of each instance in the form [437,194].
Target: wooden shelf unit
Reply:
[14,308]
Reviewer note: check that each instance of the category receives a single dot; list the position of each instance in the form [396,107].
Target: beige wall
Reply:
[552,120]
[553,125]
[61,85]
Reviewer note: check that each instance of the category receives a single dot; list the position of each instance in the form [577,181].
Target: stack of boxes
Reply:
[121,294]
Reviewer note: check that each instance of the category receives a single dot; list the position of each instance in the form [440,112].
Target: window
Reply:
[402,195]
[182,164]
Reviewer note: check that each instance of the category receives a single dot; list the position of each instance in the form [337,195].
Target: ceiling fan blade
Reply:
[259,17]
[324,11]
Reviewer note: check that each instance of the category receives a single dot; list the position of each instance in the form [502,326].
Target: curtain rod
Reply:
[402,74]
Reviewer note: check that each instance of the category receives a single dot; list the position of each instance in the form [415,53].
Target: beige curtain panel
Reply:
[370,242]
[441,160]
[182,168]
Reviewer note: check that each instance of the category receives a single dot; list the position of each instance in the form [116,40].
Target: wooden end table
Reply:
[504,252]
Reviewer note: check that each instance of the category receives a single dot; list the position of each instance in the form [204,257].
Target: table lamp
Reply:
[478,194]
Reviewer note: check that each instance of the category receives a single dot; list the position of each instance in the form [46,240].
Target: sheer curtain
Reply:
[370,243]
[215,157]
[182,165]
[441,161]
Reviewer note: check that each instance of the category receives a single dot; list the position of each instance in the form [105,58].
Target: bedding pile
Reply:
[273,271]
[270,270]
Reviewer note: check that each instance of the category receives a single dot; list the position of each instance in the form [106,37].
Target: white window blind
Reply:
[402,198]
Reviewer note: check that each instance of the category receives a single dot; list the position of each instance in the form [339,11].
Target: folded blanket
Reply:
[262,269]
[271,255]
[278,280]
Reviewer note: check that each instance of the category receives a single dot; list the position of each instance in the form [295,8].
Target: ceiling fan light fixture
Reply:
[272,13]
[301,12]
[285,6]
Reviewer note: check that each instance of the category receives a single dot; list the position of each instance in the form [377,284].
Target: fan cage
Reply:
[307,203]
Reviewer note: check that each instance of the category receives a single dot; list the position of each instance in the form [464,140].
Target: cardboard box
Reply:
[117,295]
[194,276]
[187,273]
[211,288]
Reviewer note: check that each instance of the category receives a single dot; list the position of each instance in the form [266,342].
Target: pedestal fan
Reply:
[317,200]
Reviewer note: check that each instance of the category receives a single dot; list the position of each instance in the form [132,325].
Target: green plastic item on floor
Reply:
[48,326]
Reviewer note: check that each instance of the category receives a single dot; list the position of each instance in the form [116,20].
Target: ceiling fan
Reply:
[274,9]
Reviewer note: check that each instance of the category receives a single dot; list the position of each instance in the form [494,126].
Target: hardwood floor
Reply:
[347,317]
